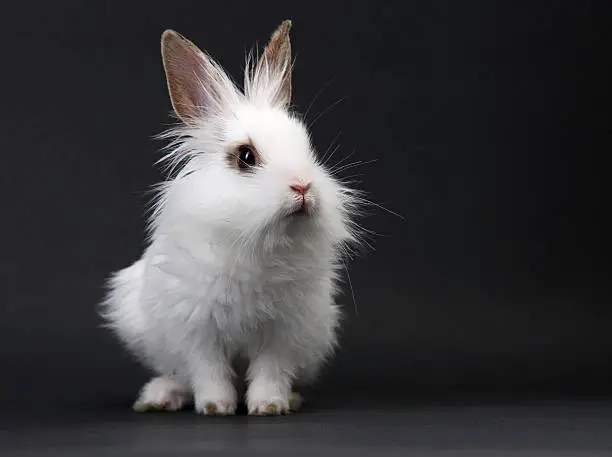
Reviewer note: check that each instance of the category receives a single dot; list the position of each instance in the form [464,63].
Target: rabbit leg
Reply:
[213,387]
[163,393]
[270,374]
[295,401]
[269,390]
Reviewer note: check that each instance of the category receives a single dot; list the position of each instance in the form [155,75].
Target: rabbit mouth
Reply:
[302,209]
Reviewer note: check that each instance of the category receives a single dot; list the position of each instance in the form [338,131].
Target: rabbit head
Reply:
[248,166]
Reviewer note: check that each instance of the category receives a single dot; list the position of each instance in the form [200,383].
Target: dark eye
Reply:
[247,157]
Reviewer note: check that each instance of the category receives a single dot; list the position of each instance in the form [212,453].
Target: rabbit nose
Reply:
[300,188]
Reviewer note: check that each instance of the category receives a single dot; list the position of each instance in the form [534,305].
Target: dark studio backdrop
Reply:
[490,124]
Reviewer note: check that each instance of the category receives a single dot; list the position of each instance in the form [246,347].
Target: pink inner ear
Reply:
[190,77]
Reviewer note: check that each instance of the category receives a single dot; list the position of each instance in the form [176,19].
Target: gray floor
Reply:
[527,428]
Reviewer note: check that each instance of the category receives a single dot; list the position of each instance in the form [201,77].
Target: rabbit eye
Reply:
[247,157]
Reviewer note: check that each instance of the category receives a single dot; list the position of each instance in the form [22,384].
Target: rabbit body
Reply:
[191,315]
[240,265]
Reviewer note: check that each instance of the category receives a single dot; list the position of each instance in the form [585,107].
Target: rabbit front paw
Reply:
[161,394]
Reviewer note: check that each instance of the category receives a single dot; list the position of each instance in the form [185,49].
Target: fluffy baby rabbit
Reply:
[246,242]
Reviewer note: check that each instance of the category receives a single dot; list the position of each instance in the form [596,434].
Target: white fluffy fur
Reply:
[226,274]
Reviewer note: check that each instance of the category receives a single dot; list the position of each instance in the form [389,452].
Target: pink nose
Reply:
[300,189]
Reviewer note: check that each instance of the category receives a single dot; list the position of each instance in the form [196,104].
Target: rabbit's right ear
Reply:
[269,80]
[197,85]
[277,59]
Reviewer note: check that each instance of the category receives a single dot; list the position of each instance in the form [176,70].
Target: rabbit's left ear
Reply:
[273,72]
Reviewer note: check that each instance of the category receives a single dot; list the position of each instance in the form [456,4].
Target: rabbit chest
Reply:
[232,299]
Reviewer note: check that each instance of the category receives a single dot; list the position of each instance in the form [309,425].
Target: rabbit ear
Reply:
[272,76]
[197,85]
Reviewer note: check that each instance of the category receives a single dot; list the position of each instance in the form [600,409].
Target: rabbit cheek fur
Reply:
[231,272]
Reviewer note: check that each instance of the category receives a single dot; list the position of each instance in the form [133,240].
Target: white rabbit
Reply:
[245,245]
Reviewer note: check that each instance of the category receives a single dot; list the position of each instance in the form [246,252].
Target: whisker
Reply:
[348,156]
[352,165]
[332,154]
[351,288]
[361,240]
[329,147]
[325,111]
[351,178]
[319,92]
[365,200]
[363,229]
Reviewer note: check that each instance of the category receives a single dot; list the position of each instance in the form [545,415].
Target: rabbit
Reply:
[246,241]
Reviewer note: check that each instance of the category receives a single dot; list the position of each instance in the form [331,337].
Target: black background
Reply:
[490,124]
